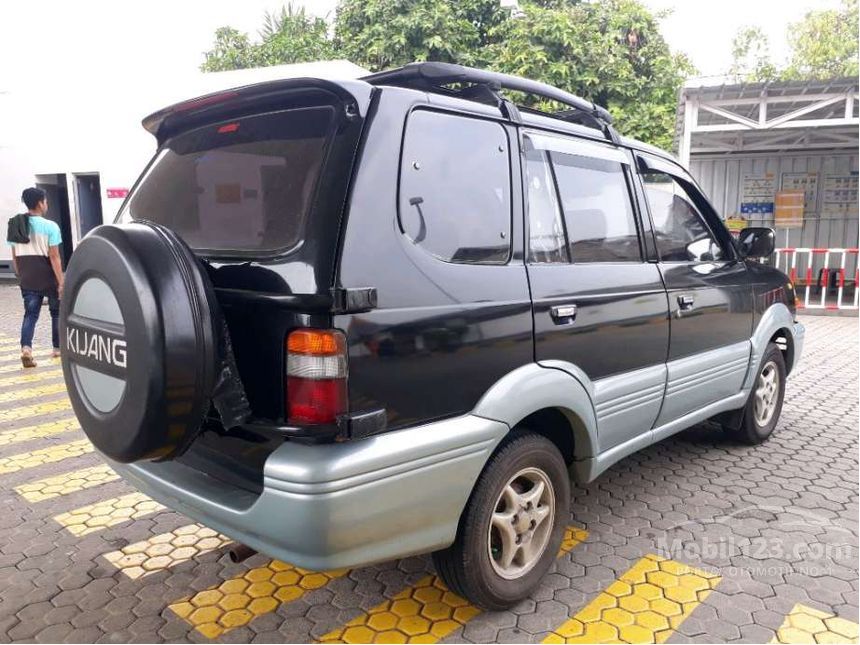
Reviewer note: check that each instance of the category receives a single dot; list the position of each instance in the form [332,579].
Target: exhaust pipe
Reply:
[240,553]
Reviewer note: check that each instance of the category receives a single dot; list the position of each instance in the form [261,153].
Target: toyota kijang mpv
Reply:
[345,322]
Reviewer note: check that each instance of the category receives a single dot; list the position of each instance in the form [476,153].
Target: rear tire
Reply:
[512,526]
[761,413]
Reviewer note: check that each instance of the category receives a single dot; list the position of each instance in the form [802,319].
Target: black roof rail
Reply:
[434,77]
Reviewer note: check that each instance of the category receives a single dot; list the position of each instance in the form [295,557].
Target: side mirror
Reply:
[756,242]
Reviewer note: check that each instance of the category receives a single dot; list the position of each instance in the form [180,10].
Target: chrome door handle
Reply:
[686,302]
[562,314]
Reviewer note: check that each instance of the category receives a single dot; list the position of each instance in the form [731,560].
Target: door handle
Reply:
[563,314]
[686,302]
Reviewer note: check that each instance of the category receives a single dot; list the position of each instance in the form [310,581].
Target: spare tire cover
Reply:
[138,341]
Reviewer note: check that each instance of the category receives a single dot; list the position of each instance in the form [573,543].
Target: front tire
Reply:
[761,414]
[512,526]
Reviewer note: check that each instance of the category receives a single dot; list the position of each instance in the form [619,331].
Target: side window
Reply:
[455,193]
[680,229]
[547,240]
[598,211]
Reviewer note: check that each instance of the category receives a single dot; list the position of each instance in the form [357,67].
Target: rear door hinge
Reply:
[353,300]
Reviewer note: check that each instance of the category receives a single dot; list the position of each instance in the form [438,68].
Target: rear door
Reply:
[710,296]
[599,307]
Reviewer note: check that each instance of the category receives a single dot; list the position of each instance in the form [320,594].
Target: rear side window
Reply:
[239,186]
[679,228]
[455,192]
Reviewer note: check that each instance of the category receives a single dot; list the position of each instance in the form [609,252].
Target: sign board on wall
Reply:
[808,183]
[757,195]
[789,209]
[839,195]
[117,193]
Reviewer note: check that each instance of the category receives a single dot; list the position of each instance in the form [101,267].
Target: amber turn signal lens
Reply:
[316,342]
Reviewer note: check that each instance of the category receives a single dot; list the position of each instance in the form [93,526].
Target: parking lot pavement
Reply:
[696,539]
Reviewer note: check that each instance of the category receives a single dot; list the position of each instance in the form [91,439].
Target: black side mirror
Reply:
[756,242]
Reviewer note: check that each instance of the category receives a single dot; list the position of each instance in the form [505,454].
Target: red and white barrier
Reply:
[832,260]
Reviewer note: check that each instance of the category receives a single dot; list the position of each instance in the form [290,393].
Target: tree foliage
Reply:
[824,44]
[611,52]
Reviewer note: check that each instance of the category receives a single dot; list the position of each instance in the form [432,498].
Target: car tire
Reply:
[761,413]
[525,483]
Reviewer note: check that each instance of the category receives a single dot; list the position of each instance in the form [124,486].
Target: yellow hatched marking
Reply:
[32,393]
[17,413]
[44,362]
[66,483]
[100,515]
[645,605]
[238,601]
[426,612]
[31,376]
[807,625]
[166,550]
[38,431]
[14,463]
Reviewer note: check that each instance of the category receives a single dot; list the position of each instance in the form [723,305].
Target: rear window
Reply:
[237,186]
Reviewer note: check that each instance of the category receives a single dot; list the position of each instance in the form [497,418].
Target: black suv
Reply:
[344,322]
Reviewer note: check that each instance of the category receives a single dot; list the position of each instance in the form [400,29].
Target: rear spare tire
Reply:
[138,341]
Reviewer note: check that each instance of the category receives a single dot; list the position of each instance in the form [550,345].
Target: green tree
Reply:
[824,44]
[610,52]
[287,36]
[751,56]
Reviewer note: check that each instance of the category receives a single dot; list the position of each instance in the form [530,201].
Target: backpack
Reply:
[18,229]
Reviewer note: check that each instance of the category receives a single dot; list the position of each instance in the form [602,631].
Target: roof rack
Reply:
[484,86]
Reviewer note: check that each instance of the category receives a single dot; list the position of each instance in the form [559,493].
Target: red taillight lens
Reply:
[316,376]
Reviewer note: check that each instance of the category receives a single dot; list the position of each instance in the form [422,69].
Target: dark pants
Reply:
[32,307]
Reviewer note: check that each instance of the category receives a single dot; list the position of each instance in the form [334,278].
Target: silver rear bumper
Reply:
[330,506]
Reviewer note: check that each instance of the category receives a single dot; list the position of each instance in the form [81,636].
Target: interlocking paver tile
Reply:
[807,625]
[40,431]
[42,456]
[98,516]
[67,483]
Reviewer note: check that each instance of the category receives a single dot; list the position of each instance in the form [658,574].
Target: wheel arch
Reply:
[549,401]
[777,322]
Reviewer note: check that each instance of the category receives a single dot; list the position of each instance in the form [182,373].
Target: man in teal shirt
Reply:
[36,258]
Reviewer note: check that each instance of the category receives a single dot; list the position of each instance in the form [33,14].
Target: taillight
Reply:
[316,376]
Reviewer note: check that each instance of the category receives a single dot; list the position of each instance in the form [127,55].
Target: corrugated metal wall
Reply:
[722,179]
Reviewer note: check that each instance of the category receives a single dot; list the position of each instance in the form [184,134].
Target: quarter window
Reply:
[680,229]
[455,193]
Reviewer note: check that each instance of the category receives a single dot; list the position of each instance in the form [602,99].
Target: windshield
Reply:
[237,186]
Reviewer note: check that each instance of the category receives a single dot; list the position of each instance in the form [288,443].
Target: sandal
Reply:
[27,359]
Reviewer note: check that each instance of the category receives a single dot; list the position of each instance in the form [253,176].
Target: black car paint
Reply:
[443,333]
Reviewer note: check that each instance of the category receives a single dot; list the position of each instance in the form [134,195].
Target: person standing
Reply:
[35,243]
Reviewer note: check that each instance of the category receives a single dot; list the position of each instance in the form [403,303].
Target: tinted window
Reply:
[547,240]
[455,200]
[244,185]
[681,232]
[597,209]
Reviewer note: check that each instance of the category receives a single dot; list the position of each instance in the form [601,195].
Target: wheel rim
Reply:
[766,394]
[521,524]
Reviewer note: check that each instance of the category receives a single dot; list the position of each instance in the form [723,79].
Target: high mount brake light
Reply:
[316,376]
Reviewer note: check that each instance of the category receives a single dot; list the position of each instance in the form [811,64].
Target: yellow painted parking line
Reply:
[20,412]
[32,393]
[14,463]
[426,612]
[14,367]
[38,431]
[807,625]
[24,377]
[645,605]
[101,515]
[66,483]
[166,550]
[238,601]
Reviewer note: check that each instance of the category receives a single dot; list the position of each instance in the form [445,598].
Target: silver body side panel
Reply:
[628,404]
[699,380]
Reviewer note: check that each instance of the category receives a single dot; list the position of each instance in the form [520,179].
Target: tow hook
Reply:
[240,553]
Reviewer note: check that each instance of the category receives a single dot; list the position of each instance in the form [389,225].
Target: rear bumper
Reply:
[340,505]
